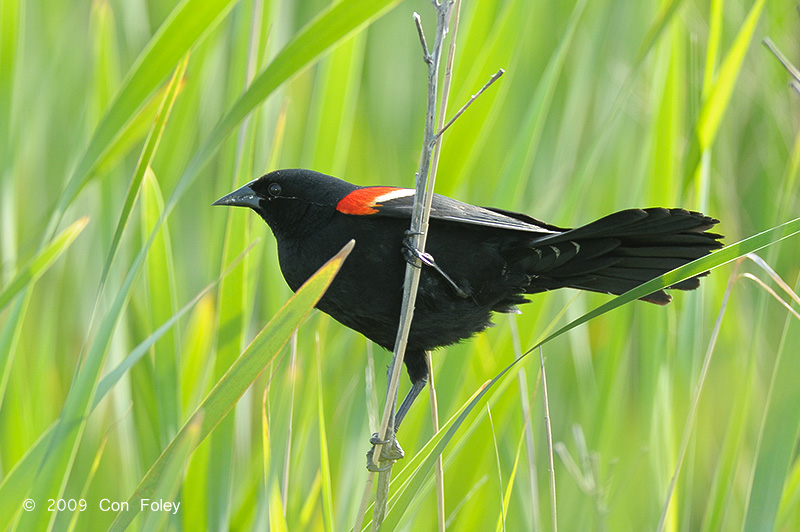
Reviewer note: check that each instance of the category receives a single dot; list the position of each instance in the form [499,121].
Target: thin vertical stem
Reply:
[419,226]
[549,432]
[439,467]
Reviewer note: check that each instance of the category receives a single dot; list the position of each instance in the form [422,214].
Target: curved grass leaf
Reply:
[522,156]
[25,278]
[43,260]
[50,479]
[186,24]
[161,298]
[719,93]
[718,258]
[778,437]
[11,15]
[146,157]
[226,393]
[329,27]
[18,480]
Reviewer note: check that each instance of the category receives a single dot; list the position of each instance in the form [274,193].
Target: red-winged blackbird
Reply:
[478,260]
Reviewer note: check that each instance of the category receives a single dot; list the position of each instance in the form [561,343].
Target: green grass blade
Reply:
[718,258]
[719,95]
[160,295]
[188,22]
[29,273]
[232,324]
[522,156]
[333,108]
[714,34]
[25,278]
[778,438]
[19,479]
[665,14]
[52,475]
[10,28]
[146,157]
[329,27]
[233,300]
[9,338]
[168,483]
[324,453]
[112,377]
[54,471]
[224,396]
[277,521]
[406,486]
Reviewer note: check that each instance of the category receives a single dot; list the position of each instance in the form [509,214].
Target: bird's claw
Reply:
[375,440]
[390,453]
[410,253]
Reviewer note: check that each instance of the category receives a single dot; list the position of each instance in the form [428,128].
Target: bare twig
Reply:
[362,508]
[795,83]
[771,292]
[549,432]
[426,55]
[790,68]
[423,199]
[494,78]
[419,225]
[774,276]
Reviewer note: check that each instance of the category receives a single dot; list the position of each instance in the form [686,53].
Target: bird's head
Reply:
[285,199]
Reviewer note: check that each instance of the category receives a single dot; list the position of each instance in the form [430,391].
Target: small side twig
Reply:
[494,78]
[790,68]
[426,56]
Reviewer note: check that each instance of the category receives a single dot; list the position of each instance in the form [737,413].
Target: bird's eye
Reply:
[274,189]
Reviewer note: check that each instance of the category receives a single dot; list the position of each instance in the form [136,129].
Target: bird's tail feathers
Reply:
[622,251]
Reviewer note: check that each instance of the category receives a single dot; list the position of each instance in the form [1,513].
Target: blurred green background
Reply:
[605,105]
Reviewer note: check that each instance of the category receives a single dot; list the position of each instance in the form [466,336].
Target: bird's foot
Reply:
[412,254]
[390,452]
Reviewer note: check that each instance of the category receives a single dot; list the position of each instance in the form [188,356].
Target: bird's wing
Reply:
[398,203]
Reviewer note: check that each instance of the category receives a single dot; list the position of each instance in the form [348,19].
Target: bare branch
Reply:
[790,68]
[494,78]
[426,56]
[419,226]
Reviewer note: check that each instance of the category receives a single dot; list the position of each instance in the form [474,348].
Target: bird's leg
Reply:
[410,253]
[391,450]
[416,388]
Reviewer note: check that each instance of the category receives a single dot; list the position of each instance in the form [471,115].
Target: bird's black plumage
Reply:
[495,257]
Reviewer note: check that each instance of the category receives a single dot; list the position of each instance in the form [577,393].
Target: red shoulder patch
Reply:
[364,200]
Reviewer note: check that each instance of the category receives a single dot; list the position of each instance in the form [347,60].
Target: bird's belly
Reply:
[371,304]
[366,295]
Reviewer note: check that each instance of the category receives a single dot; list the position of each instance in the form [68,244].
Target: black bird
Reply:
[478,261]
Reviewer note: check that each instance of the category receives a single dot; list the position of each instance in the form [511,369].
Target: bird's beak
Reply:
[241,197]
